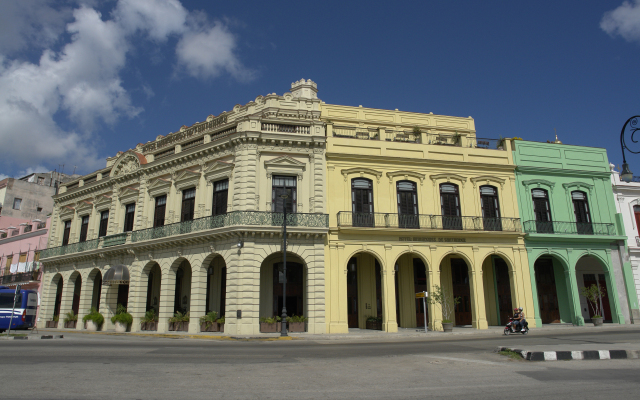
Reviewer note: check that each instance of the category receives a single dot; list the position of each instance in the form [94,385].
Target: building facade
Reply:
[574,233]
[627,201]
[418,201]
[30,197]
[196,219]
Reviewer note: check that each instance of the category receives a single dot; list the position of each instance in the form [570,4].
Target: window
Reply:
[67,232]
[284,185]
[581,211]
[160,211]
[17,203]
[220,197]
[542,211]
[7,266]
[83,228]
[362,202]
[188,204]
[129,217]
[39,209]
[450,206]
[407,205]
[41,180]
[104,222]
[636,212]
[490,208]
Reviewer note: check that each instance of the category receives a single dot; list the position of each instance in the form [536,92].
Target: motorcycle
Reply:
[511,327]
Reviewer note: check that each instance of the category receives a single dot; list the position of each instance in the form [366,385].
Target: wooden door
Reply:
[450,203]
[407,205]
[503,288]
[362,202]
[123,295]
[547,292]
[581,211]
[352,293]
[542,211]
[460,279]
[295,288]
[490,208]
[419,285]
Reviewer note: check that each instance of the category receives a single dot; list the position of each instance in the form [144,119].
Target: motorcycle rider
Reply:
[518,317]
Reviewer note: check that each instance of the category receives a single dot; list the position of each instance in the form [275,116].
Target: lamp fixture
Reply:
[240,243]
[626,175]
[210,271]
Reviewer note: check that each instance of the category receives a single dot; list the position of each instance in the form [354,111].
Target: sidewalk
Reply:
[359,334]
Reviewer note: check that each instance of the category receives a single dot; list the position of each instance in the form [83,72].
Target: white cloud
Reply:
[3,176]
[623,21]
[81,81]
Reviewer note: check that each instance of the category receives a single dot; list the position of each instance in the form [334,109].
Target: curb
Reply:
[174,336]
[32,337]
[574,355]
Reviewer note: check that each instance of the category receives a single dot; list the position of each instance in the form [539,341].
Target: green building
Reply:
[574,238]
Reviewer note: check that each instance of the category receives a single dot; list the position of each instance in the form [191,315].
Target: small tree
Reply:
[593,294]
[447,303]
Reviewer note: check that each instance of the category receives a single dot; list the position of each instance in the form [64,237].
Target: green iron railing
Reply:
[570,228]
[70,248]
[234,218]
[114,240]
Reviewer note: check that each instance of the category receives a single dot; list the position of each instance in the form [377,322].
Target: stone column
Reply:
[197,307]
[479,317]
[337,290]
[67,299]
[167,294]
[389,323]
[86,293]
[137,297]
[315,288]
[574,297]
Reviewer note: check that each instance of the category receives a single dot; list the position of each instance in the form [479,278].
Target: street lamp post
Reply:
[626,174]
[283,331]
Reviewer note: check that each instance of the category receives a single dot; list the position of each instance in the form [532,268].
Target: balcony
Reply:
[235,218]
[21,277]
[423,221]
[569,228]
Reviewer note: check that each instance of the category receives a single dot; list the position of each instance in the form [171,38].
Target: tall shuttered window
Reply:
[84,228]
[129,216]
[67,233]
[160,211]
[220,197]
[104,223]
[284,185]
[188,204]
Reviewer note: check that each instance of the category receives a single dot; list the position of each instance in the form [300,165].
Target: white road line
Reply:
[465,360]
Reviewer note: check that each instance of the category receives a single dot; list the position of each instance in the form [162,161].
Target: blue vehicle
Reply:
[24,314]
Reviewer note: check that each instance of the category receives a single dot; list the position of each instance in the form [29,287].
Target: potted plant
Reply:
[54,322]
[374,323]
[93,320]
[447,304]
[594,294]
[296,323]
[179,322]
[122,319]
[208,322]
[270,325]
[150,321]
[70,320]
[220,322]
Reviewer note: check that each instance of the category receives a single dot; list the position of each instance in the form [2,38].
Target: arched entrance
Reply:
[410,278]
[364,289]
[216,286]
[497,290]
[589,271]
[153,276]
[454,276]
[57,282]
[551,287]
[76,281]
[95,277]
[271,288]
[182,294]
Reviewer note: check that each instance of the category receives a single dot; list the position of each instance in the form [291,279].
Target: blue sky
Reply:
[81,80]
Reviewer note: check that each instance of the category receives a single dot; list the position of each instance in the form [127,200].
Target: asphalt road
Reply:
[85,366]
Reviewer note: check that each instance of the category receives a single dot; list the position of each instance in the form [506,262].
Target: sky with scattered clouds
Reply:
[83,79]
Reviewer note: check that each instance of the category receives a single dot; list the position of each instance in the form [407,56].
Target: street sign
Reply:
[421,295]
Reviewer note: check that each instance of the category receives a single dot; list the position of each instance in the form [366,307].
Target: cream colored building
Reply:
[417,200]
[196,219]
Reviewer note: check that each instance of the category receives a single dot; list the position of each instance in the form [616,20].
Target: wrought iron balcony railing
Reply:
[234,218]
[21,277]
[424,221]
[69,249]
[569,228]
[114,240]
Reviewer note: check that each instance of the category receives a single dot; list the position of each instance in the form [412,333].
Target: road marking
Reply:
[465,360]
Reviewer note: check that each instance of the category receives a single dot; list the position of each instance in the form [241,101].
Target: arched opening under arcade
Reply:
[590,271]
[153,276]
[76,281]
[498,290]
[216,286]
[454,277]
[410,278]
[182,293]
[95,278]
[552,290]
[57,283]
[364,290]
[271,286]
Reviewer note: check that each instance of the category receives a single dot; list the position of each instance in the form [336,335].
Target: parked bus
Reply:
[24,314]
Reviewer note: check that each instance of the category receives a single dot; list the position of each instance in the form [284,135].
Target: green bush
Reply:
[56,318]
[271,320]
[374,319]
[94,316]
[209,319]
[150,316]
[220,320]
[297,318]
[70,316]
[122,316]
[179,317]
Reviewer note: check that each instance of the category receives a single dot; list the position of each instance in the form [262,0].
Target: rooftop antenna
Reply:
[74,169]
[557,140]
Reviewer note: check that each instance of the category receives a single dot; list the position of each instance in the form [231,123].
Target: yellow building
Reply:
[415,201]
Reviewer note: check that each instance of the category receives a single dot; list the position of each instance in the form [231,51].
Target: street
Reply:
[82,366]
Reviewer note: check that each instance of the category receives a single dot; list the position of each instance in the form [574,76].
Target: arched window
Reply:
[450,203]
[362,202]
[490,208]
[407,205]
[581,211]
[542,211]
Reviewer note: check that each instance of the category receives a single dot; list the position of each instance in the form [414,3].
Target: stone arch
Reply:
[590,269]
[214,268]
[411,275]
[75,290]
[181,271]
[54,295]
[271,299]
[459,278]
[364,282]
[151,286]
[552,289]
[462,255]
[500,287]
[94,289]
[373,253]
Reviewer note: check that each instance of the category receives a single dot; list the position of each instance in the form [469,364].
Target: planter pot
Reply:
[270,328]
[52,324]
[179,326]
[148,326]
[70,324]
[296,326]
[375,325]
[120,327]
[91,326]
[447,326]
[212,327]
[597,321]
[221,327]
